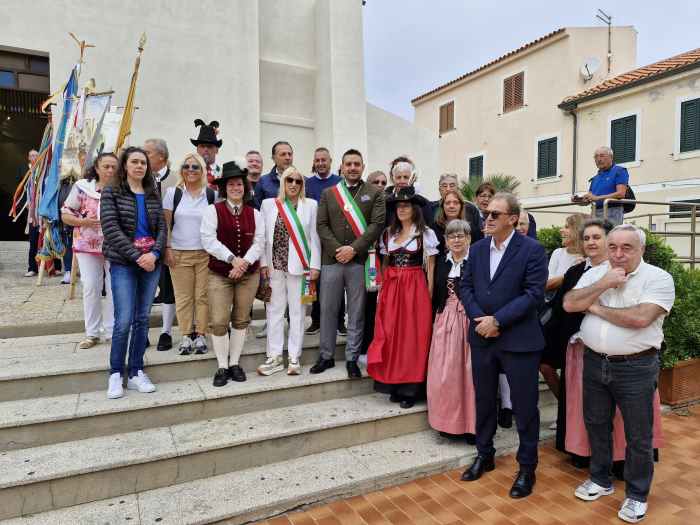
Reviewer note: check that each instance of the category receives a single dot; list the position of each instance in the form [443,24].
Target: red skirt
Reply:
[398,353]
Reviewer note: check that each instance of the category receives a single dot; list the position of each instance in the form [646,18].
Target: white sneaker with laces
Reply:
[591,491]
[186,345]
[30,273]
[294,368]
[632,511]
[141,382]
[115,390]
[271,366]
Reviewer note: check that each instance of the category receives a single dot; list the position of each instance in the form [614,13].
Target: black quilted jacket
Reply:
[118,220]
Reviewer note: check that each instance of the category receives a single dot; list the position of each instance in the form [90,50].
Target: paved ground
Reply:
[444,499]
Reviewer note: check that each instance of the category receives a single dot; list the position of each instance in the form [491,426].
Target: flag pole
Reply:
[127,117]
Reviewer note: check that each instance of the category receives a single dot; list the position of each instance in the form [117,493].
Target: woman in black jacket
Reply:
[131,216]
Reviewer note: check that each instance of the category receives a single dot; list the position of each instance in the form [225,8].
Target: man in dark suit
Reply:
[503,286]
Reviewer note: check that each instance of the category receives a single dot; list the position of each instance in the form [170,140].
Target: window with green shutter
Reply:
[623,139]
[476,169]
[690,125]
[547,158]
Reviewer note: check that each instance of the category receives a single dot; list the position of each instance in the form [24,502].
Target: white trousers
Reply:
[286,291]
[99,313]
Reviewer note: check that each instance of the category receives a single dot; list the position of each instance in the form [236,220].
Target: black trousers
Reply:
[32,265]
[166,293]
[522,371]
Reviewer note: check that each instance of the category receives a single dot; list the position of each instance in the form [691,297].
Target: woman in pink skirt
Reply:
[451,402]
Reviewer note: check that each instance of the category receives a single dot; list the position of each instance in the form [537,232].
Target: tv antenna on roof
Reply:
[607,20]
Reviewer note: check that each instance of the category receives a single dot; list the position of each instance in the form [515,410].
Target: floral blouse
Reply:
[83,201]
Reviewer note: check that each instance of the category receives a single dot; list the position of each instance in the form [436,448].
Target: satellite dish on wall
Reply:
[589,67]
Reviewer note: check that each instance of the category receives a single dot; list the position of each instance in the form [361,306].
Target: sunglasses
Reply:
[298,182]
[495,214]
[379,183]
[191,167]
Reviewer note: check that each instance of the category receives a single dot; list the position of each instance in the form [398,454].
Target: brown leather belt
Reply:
[620,358]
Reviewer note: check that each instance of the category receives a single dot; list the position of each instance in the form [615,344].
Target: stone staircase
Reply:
[191,453]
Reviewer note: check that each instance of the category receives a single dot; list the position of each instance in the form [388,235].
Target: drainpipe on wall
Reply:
[572,112]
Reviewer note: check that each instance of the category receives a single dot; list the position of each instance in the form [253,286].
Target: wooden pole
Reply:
[74,269]
[42,268]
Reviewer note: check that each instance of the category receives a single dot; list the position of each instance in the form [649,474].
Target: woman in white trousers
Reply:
[294,257]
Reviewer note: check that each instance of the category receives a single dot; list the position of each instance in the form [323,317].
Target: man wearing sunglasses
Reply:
[503,286]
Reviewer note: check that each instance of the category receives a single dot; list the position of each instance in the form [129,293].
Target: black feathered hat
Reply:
[207,133]
[237,168]
[407,195]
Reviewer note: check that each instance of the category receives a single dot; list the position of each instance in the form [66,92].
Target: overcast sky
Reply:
[412,46]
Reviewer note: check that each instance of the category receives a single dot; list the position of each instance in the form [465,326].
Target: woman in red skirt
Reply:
[397,358]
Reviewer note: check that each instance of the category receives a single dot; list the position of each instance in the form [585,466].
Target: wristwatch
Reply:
[230,258]
[496,323]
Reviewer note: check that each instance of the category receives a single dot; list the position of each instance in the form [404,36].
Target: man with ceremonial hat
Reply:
[233,233]
[208,145]
[349,221]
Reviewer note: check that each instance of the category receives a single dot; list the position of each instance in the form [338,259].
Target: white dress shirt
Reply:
[496,254]
[214,247]
[647,284]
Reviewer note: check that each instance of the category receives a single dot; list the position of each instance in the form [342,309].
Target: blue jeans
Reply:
[133,290]
[616,214]
[629,385]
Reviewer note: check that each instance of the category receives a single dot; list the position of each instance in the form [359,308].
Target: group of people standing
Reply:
[446,298]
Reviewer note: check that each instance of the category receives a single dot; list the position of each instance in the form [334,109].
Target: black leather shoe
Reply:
[236,373]
[353,370]
[165,342]
[407,403]
[470,439]
[481,464]
[522,486]
[505,418]
[322,365]
[221,377]
[314,328]
[394,398]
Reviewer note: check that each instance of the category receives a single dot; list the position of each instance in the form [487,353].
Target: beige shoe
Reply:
[294,368]
[88,342]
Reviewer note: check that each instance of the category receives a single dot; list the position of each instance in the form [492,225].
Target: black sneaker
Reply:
[165,342]
[342,330]
[353,370]
[314,328]
[221,377]
[236,373]
[505,418]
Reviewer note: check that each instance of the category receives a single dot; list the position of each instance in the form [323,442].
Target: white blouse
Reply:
[430,243]
[213,246]
[560,261]
[188,218]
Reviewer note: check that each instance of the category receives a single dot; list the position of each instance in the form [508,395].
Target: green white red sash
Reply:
[300,243]
[357,222]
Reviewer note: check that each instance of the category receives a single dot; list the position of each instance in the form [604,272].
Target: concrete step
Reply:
[261,492]
[60,475]
[47,420]
[53,365]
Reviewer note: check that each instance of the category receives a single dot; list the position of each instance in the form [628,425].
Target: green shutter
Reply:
[623,139]
[476,168]
[690,125]
[547,158]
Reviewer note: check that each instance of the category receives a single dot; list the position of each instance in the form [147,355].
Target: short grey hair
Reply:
[403,166]
[448,176]
[631,228]
[604,149]
[457,226]
[161,147]
[511,200]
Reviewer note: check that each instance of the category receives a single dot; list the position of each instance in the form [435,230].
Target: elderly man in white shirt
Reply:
[625,302]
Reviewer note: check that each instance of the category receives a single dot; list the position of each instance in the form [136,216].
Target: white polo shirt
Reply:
[188,219]
[647,284]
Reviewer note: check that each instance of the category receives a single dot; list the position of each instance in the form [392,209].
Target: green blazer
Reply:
[335,231]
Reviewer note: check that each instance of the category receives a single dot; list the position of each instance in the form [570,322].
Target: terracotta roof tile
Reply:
[632,78]
[489,64]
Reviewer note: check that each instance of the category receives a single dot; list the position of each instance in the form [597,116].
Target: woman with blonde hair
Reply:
[183,207]
[293,253]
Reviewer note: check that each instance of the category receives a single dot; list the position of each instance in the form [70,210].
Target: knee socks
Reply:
[236,345]
[168,318]
[220,344]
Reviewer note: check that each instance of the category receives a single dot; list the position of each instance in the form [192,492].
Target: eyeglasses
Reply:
[379,183]
[191,167]
[495,214]
[298,182]
[456,237]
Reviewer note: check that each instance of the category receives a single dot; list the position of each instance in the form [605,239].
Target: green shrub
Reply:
[658,252]
[550,238]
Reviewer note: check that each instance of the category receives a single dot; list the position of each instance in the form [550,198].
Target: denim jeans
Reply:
[616,214]
[629,385]
[133,290]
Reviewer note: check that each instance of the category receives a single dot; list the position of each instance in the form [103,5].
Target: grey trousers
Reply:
[337,279]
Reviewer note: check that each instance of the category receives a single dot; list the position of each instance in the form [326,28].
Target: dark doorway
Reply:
[24,85]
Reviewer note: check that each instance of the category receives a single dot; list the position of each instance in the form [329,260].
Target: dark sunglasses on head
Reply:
[495,214]
[191,167]
[298,182]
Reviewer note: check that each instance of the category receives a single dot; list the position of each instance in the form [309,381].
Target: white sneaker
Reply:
[262,334]
[200,344]
[89,342]
[30,274]
[591,491]
[294,368]
[66,278]
[115,390]
[632,511]
[271,366]
[186,345]
[141,382]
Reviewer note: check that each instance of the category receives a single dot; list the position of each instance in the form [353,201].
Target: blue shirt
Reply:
[315,185]
[267,187]
[606,181]
[142,227]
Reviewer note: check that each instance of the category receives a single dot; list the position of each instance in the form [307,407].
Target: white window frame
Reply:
[454,117]
[558,176]
[477,154]
[512,72]
[677,155]
[638,136]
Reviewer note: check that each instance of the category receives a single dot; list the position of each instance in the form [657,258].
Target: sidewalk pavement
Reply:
[445,500]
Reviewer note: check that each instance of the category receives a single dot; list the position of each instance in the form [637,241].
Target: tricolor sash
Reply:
[301,245]
[357,222]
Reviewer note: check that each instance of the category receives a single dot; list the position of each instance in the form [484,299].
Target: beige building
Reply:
[503,116]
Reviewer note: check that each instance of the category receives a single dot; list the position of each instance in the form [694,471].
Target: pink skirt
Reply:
[576,435]
[451,399]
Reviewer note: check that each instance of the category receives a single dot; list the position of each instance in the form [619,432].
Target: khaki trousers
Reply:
[190,277]
[231,301]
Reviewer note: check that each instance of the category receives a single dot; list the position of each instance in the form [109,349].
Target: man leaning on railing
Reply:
[609,183]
